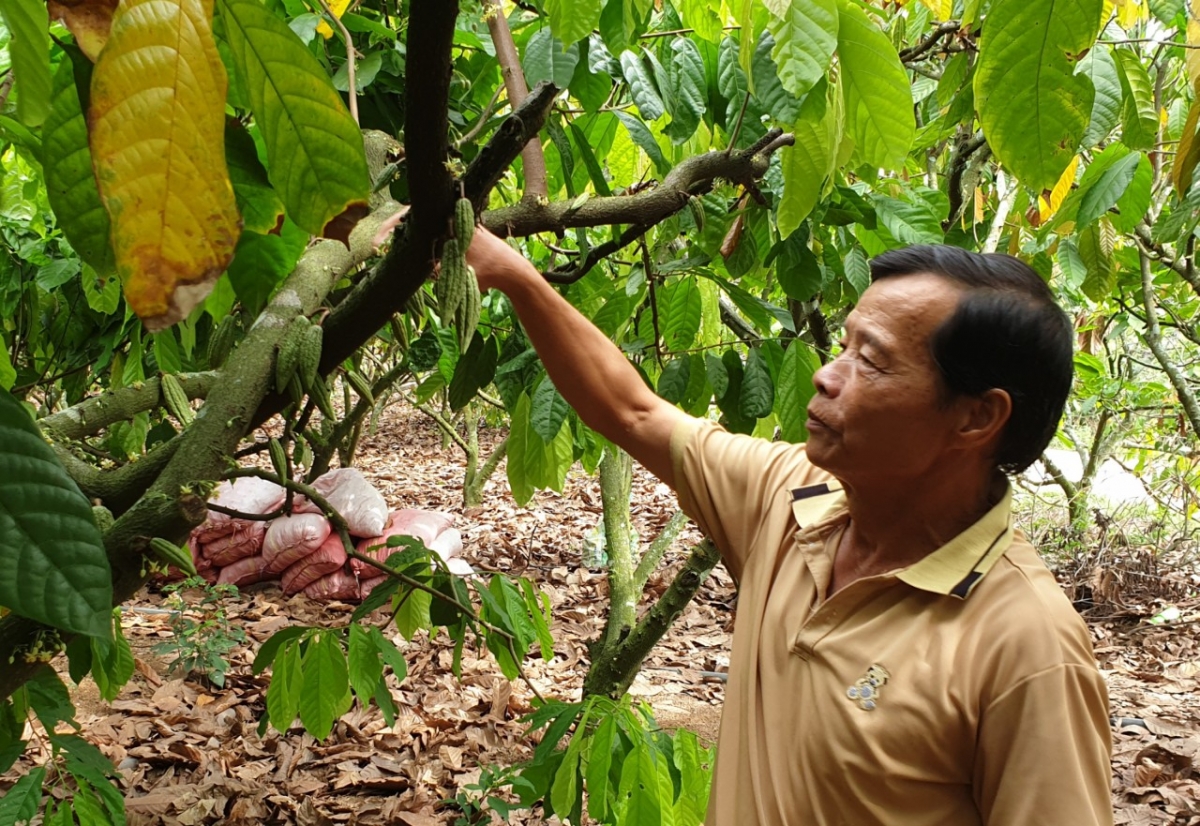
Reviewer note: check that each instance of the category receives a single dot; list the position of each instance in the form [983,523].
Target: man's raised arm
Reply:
[589,371]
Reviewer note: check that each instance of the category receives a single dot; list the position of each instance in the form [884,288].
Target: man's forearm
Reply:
[590,372]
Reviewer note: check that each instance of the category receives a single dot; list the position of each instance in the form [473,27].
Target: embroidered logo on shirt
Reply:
[869,688]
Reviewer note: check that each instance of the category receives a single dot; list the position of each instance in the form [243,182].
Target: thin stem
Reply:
[350,56]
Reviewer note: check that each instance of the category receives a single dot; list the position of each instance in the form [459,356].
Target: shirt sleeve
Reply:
[1043,753]
[727,482]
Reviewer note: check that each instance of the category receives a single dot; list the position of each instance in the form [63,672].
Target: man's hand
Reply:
[497,265]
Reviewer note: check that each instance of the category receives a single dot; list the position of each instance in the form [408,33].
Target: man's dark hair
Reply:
[1007,332]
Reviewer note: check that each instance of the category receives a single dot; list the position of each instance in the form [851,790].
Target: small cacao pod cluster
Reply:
[296,367]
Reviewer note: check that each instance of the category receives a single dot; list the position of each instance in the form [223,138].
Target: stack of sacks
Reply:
[302,550]
[224,540]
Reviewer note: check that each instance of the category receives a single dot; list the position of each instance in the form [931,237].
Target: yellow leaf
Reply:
[1188,153]
[1130,12]
[1060,191]
[980,205]
[338,7]
[157,126]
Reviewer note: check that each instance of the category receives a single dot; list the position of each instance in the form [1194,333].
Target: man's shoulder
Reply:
[1021,606]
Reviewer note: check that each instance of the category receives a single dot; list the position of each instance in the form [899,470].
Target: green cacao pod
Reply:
[174,555]
[464,223]
[176,400]
[309,358]
[467,317]
[360,385]
[278,458]
[103,518]
[320,394]
[451,286]
[220,343]
[289,353]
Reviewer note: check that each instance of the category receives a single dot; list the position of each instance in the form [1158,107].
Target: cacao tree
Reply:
[216,213]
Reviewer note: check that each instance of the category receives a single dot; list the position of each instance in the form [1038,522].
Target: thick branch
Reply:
[693,176]
[93,415]
[532,158]
[917,51]
[410,261]
[118,489]
[658,547]
[1153,338]
[1185,267]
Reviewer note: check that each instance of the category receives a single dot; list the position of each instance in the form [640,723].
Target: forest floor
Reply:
[189,752]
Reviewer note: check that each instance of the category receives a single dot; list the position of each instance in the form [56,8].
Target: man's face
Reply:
[877,410]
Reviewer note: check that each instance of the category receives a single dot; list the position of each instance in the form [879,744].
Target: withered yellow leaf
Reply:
[157,124]
[89,20]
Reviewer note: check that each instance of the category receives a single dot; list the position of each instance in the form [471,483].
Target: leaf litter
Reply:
[190,753]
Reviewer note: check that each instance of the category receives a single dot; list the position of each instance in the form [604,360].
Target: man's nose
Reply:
[826,380]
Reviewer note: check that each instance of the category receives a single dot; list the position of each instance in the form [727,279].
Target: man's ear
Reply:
[984,417]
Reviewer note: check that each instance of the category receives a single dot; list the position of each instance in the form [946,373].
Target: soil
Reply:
[189,752]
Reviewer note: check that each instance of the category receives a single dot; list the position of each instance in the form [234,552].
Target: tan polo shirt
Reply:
[961,690]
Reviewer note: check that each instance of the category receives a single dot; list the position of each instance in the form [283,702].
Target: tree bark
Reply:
[1153,338]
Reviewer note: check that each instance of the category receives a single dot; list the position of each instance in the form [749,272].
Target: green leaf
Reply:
[1095,250]
[641,86]
[694,781]
[53,566]
[547,59]
[474,371]
[548,411]
[413,615]
[325,692]
[103,293]
[1033,107]
[858,271]
[70,180]
[1135,202]
[257,201]
[364,666]
[565,788]
[700,16]
[20,803]
[1100,192]
[268,651]
[1070,263]
[794,390]
[166,351]
[1139,117]
[50,700]
[688,84]
[1099,66]
[28,24]
[598,761]
[769,91]
[390,653]
[808,164]
[259,264]
[675,378]
[537,606]
[572,20]
[758,393]
[875,87]
[797,269]
[679,313]
[805,33]
[8,374]
[907,222]
[314,148]
[283,694]
[641,136]
[585,146]
[112,661]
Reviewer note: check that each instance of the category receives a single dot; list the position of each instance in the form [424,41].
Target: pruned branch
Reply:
[532,157]
[517,131]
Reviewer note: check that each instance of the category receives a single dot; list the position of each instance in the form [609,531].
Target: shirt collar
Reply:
[953,569]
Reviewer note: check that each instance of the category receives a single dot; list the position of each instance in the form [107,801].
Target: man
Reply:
[901,655]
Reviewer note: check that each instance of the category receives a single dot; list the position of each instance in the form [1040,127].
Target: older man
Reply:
[901,655]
